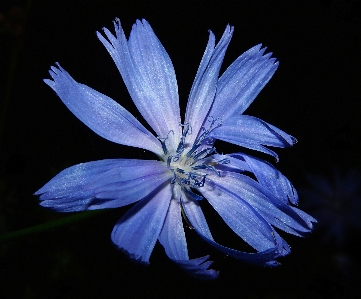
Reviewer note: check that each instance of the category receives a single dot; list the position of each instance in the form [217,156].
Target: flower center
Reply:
[188,163]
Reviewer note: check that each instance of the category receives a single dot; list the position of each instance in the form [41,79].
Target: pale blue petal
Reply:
[307,218]
[126,192]
[148,73]
[100,113]
[172,236]
[138,230]
[268,176]
[76,202]
[77,176]
[198,268]
[161,101]
[242,81]
[272,209]
[173,239]
[252,133]
[73,189]
[283,246]
[240,216]
[234,164]
[195,215]
[205,83]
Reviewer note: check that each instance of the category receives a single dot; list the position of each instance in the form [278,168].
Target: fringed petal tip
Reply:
[66,205]
[55,69]
[198,268]
[133,257]
[272,264]
[253,133]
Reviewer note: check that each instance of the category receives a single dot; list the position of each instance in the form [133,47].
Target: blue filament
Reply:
[163,140]
[193,178]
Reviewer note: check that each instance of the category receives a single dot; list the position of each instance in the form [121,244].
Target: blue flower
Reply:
[169,189]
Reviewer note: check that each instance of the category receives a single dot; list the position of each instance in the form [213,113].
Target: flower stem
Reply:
[49,225]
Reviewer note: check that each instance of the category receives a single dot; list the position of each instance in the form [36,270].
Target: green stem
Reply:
[49,225]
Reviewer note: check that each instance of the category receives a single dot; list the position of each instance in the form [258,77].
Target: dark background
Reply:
[314,95]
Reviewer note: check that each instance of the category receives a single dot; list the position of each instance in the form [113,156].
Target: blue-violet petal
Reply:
[138,230]
[100,113]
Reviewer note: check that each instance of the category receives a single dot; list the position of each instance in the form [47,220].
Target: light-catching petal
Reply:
[271,178]
[84,186]
[240,216]
[271,208]
[242,82]
[252,133]
[205,83]
[195,215]
[100,113]
[148,73]
[138,230]
[173,239]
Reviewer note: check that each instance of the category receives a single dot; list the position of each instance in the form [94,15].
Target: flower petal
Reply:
[138,230]
[100,113]
[268,176]
[122,193]
[195,215]
[252,133]
[198,268]
[205,83]
[148,73]
[272,209]
[242,82]
[233,164]
[307,218]
[173,239]
[240,216]
[73,189]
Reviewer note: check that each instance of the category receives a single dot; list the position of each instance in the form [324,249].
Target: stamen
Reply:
[169,160]
[163,140]
[192,195]
[187,128]
[224,161]
[208,167]
[205,134]
[203,153]
[185,173]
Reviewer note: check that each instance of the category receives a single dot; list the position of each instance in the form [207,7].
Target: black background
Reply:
[314,96]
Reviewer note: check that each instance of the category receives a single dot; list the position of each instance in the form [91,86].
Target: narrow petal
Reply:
[198,268]
[270,177]
[158,74]
[252,133]
[100,113]
[173,239]
[205,83]
[172,236]
[73,189]
[195,215]
[126,192]
[234,164]
[307,218]
[138,230]
[272,209]
[240,216]
[242,82]
[148,73]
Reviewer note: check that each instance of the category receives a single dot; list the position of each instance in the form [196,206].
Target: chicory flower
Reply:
[189,168]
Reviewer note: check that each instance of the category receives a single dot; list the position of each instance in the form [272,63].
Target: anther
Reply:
[192,195]
[163,140]
[186,131]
